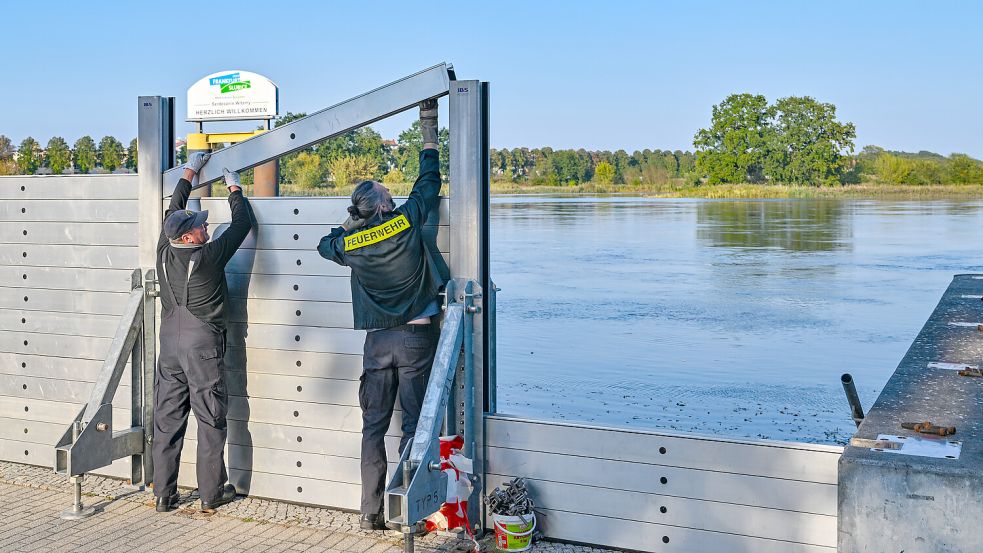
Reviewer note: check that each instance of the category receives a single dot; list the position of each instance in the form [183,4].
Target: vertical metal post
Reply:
[469,170]
[149,364]
[155,137]
[136,391]
[77,511]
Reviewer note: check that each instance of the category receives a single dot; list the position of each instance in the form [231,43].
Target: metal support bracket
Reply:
[90,443]
[418,487]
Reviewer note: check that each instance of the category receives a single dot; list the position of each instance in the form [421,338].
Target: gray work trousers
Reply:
[396,362]
[190,375]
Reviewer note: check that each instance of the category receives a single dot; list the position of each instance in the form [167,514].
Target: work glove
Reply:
[196,161]
[231,179]
[428,123]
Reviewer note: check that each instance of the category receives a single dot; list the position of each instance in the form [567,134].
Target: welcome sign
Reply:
[230,95]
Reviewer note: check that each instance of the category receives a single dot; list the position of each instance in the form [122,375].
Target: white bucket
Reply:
[514,533]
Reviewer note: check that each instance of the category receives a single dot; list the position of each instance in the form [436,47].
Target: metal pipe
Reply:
[852,398]
[408,470]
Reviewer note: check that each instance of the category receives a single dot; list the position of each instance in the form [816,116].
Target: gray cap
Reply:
[182,221]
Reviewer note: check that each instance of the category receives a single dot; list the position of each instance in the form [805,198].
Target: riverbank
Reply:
[719,191]
[758,191]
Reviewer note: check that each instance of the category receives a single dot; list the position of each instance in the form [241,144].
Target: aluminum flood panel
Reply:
[67,252]
[669,492]
[69,187]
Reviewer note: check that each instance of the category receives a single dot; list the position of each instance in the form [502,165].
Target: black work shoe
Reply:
[228,494]
[374,521]
[167,503]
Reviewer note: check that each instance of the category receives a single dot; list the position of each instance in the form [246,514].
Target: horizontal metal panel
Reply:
[255,386]
[67,368]
[307,237]
[297,363]
[316,415]
[289,312]
[275,461]
[284,437]
[84,211]
[758,491]
[50,389]
[65,301]
[285,488]
[293,388]
[78,234]
[51,411]
[31,430]
[282,262]
[290,287]
[50,322]
[791,460]
[48,433]
[325,213]
[355,112]
[43,455]
[641,536]
[62,278]
[55,345]
[687,513]
[95,257]
[300,338]
[69,187]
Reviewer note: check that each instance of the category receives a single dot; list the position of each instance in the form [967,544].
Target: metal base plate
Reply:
[72,514]
[939,448]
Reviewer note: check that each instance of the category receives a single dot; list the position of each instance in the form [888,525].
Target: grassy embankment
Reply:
[720,191]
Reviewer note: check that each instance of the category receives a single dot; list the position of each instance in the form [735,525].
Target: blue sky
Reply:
[599,75]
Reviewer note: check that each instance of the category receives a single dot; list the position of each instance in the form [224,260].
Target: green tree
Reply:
[57,156]
[305,170]
[110,153]
[7,164]
[963,169]
[604,173]
[6,148]
[394,176]
[181,156]
[808,142]
[348,169]
[409,144]
[84,154]
[733,149]
[132,155]
[28,156]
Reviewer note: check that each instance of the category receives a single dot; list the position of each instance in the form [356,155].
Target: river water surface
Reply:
[723,317]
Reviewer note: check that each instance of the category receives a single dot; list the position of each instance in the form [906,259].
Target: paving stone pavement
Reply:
[32,498]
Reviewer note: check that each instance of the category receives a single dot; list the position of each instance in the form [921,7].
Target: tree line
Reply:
[795,140]
[84,156]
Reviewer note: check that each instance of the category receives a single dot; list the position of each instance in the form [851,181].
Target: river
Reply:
[721,317]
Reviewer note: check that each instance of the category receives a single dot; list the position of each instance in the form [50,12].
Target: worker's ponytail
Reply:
[367,198]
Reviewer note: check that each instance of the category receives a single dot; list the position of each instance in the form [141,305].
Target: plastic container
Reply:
[513,533]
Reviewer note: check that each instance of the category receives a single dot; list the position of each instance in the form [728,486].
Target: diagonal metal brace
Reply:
[418,487]
[89,442]
[359,111]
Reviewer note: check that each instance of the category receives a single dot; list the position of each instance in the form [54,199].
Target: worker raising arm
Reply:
[190,368]
[395,282]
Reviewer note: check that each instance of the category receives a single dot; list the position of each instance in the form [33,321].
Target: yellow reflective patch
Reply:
[377,234]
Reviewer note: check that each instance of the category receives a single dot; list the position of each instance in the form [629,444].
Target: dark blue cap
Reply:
[182,221]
